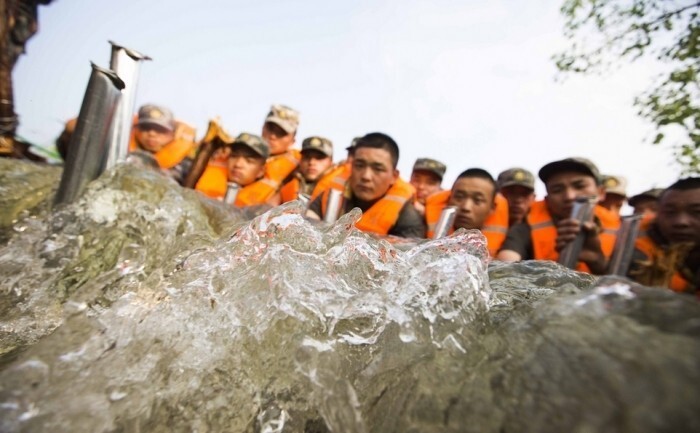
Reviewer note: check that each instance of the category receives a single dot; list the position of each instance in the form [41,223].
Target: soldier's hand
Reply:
[567,230]
[591,252]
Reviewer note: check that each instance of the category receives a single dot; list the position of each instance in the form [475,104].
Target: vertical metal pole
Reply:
[305,199]
[447,218]
[582,211]
[333,206]
[90,141]
[232,189]
[624,245]
[126,64]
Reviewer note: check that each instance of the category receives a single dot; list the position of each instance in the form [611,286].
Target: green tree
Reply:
[603,32]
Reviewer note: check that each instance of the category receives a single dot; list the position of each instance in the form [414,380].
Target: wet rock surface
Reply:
[145,307]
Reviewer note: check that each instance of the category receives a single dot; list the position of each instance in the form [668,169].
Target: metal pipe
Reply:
[333,206]
[447,218]
[624,245]
[582,211]
[126,63]
[90,141]
[232,190]
[305,199]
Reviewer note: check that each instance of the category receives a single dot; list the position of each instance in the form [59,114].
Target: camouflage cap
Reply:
[652,194]
[615,185]
[576,164]
[320,144]
[287,118]
[430,165]
[255,142]
[516,176]
[150,114]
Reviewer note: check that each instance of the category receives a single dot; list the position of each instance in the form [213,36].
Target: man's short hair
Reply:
[481,174]
[378,140]
[683,185]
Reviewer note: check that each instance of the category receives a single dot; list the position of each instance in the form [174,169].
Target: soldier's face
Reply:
[519,199]
[245,166]
[372,173]
[679,216]
[279,140]
[153,138]
[564,187]
[473,197]
[313,163]
[647,206]
[613,202]
[426,183]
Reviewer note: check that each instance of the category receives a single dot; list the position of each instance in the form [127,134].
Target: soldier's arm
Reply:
[517,245]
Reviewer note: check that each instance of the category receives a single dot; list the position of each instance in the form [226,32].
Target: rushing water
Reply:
[144,307]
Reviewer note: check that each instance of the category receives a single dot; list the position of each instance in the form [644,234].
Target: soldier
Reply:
[374,186]
[615,193]
[426,178]
[161,138]
[549,227]
[279,130]
[246,168]
[517,185]
[316,161]
[157,140]
[668,248]
[479,207]
[158,135]
[339,174]
[646,202]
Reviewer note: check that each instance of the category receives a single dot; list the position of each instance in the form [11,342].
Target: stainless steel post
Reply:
[232,190]
[126,63]
[582,211]
[447,218]
[624,245]
[333,206]
[90,141]
[304,199]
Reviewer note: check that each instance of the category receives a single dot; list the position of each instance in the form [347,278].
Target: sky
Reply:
[469,83]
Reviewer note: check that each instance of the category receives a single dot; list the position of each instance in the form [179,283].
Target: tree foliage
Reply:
[603,32]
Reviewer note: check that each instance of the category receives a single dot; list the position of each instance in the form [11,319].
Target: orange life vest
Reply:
[495,226]
[258,192]
[645,244]
[279,167]
[383,214]
[290,190]
[544,232]
[182,146]
[434,204]
[339,174]
[213,181]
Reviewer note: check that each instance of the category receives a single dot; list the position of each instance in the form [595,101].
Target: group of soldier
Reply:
[268,169]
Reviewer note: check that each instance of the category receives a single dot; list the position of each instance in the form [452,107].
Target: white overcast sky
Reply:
[470,83]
